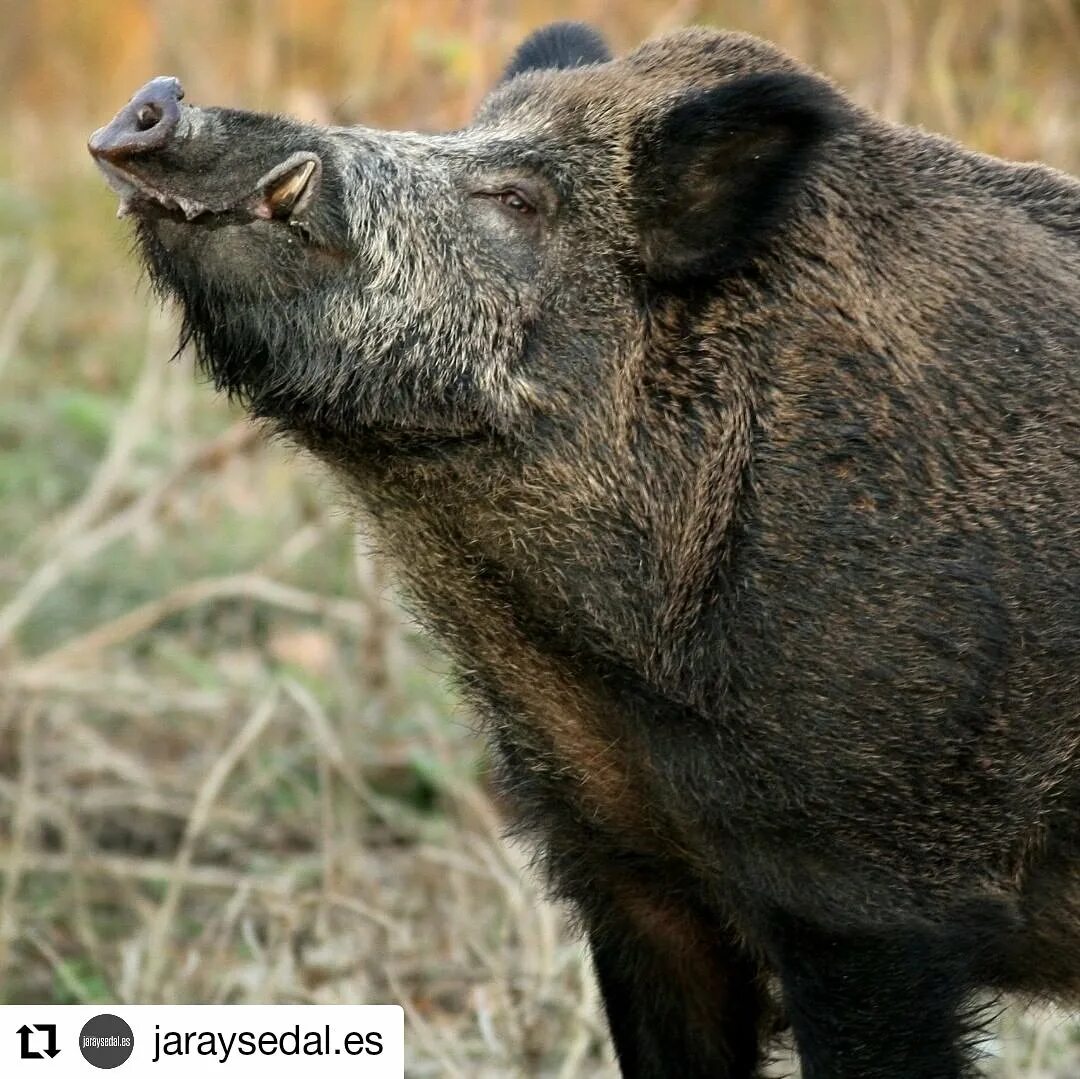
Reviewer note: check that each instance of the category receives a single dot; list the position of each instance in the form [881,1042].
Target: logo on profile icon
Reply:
[106,1041]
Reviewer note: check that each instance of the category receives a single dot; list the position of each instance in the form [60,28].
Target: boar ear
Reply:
[715,175]
[560,45]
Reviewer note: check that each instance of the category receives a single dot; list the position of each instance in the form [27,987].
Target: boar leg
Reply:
[673,1010]
[880,1006]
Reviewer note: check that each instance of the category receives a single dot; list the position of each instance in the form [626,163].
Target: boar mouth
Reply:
[279,195]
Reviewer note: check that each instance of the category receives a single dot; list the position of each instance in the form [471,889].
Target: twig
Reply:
[15,863]
[127,433]
[119,867]
[584,1032]
[61,969]
[238,438]
[242,585]
[22,306]
[122,694]
[200,813]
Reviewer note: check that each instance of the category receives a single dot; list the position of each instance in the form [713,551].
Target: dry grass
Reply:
[229,771]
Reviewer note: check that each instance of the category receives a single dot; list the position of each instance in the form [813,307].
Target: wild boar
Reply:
[728,436]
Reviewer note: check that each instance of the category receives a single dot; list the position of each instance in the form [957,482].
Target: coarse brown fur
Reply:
[740,473]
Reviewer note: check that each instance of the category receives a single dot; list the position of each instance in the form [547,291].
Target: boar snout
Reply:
[147,122]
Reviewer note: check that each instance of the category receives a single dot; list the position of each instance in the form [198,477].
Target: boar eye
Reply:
[514,200]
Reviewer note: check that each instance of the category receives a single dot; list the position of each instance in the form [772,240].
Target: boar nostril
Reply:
[148,122]
[147,116]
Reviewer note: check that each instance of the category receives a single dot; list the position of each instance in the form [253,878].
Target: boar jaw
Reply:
[282,193]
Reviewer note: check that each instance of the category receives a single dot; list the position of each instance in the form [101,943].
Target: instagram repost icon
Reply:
[106,1041]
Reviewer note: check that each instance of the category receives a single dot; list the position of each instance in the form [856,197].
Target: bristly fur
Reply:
[729,438]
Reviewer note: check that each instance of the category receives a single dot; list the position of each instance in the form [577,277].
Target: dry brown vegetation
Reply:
[229,771]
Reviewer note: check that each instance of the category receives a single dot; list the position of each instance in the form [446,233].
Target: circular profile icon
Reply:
[106,1041]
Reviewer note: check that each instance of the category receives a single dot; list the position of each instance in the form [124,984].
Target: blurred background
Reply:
[229,770]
